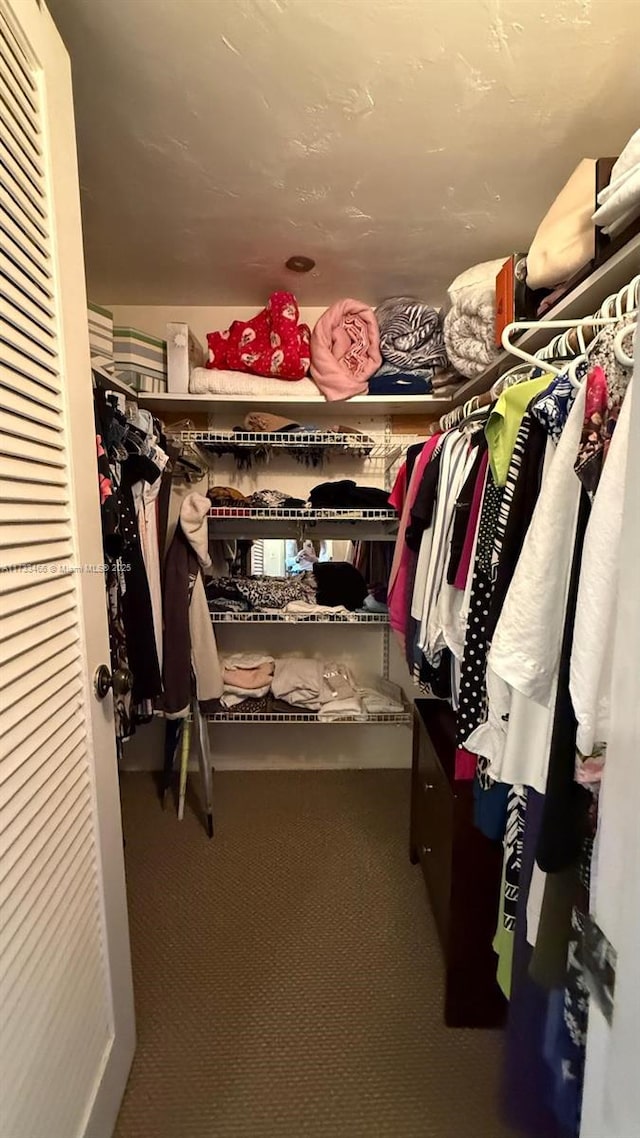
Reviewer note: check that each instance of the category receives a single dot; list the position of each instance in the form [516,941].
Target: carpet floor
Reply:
[287,974]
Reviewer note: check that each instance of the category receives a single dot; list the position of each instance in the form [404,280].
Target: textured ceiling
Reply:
[394,141]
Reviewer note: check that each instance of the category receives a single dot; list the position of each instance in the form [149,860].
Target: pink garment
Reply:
[397,600]
[462,574]
[345,349]
[465,765]
[248,678]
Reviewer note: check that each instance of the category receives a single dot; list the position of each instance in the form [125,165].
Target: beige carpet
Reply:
[287,974]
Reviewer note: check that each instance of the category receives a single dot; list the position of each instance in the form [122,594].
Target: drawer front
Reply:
[434,832]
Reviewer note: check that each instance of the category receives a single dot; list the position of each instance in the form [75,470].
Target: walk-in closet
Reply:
[319,535]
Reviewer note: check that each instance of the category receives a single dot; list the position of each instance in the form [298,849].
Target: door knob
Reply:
[121,681]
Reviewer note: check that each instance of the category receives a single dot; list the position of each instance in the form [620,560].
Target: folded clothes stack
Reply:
[343,494]
[411,345]
[332,587]
[619,202]
[245,676]
[258,684]
[469,326]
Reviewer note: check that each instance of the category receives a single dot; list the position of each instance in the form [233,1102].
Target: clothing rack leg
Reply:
[204,760]
[185,747]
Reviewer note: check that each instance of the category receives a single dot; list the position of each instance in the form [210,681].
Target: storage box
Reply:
[135,353]
[184,352]
[101,335]
[514,299]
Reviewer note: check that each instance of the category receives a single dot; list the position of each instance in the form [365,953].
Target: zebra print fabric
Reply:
[411,337]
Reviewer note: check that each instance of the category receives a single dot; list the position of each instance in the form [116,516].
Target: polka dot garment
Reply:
[472,708]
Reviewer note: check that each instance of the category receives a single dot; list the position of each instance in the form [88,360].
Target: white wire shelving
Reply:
[351,618]
[247,513]
[403,717]
[376,449]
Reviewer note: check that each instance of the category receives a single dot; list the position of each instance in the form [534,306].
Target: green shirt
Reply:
[503,424]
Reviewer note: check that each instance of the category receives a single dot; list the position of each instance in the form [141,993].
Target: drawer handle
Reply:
[425,850]
[429,786]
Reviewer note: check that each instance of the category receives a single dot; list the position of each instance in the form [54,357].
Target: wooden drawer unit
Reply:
[461,868]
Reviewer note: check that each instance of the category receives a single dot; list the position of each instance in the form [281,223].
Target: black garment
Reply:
[566,803]
[137,612]
[345,495]
[523,503]
[463,510]
[424,504]
[413,454]
[339,583]
[374,560]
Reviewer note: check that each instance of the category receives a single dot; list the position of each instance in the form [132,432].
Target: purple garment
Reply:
[528,1082]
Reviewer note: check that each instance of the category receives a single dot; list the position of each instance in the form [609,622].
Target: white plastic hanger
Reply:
[621,354]
[539,361]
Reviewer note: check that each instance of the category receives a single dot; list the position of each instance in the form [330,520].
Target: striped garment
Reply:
[411,337]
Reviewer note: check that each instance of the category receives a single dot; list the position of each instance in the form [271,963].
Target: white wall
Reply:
[153,319]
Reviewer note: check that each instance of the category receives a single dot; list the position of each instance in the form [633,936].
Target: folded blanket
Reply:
[271,343]
[619,202]
[386,383]
[207,382]
[345,349]
[411,338]
[469,331]
[565,238]
[479,278]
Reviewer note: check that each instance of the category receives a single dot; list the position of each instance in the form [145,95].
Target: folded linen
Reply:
[619,202]
[469,331]
[478,278]
[345,349]
[336,709]
[247,678]
[271,343]
[232,696]
[204,381]
[565,238]
[379,703]
[299,682]
[399,383]
[411,338]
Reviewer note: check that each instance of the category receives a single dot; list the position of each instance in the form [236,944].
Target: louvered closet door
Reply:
[66,1009]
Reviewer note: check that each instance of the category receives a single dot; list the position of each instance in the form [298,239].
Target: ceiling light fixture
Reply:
[300,264]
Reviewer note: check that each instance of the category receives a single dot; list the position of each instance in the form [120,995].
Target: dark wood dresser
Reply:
[461,867]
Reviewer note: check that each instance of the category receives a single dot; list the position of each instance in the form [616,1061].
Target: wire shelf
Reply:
[371,447]
[301,515]
[397,717]
[379,618]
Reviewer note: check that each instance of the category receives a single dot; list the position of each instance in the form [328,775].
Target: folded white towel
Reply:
[233,696]
[246,660]
[210,381]
[336,709]
[619,202]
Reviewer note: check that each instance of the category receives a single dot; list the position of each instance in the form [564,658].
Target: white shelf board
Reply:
[361,406]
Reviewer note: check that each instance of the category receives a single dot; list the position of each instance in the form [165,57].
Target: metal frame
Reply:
[351,618]
[398,717]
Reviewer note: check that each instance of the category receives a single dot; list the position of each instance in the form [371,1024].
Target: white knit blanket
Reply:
[210,381]
[469,331]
